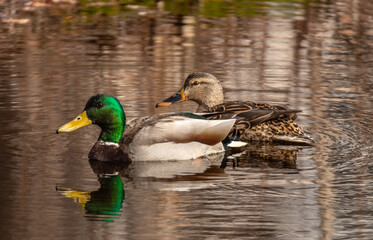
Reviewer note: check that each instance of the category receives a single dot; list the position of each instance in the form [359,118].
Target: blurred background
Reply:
[312,55]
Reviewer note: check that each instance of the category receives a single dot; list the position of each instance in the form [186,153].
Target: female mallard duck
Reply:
[255,121]
[159,137]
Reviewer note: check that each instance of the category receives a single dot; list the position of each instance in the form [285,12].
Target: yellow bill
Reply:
[80,121]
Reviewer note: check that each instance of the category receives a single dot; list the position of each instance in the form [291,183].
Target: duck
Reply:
[167,136]
[255,122]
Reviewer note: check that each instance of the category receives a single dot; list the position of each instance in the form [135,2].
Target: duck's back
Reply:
[261,122]
[174,136]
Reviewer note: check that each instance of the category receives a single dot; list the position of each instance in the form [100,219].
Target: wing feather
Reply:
[253,113]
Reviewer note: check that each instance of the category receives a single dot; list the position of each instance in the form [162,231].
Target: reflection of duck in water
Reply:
[105,203]
[159,137]
[179,175]
[256,122]
[173,169]
[264,156]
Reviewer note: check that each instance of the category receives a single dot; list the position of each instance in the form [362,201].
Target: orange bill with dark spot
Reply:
[179,96]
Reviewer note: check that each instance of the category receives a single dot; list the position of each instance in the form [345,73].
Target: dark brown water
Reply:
[316,56]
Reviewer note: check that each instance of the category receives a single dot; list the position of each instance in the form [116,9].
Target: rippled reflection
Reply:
[103,204]
[264,156]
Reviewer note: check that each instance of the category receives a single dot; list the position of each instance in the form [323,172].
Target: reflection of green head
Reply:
[107,112]
[106,203]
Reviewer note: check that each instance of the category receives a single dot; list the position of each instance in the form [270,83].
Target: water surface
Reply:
[310,55]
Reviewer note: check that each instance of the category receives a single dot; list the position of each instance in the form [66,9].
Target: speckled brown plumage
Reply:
[259,121]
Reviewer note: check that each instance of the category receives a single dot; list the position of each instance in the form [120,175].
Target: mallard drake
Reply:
[158,137]
[255,121]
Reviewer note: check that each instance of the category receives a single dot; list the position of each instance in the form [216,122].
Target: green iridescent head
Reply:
[104,111]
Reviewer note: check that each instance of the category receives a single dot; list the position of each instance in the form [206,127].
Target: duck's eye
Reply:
[100,104]
[195,83]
